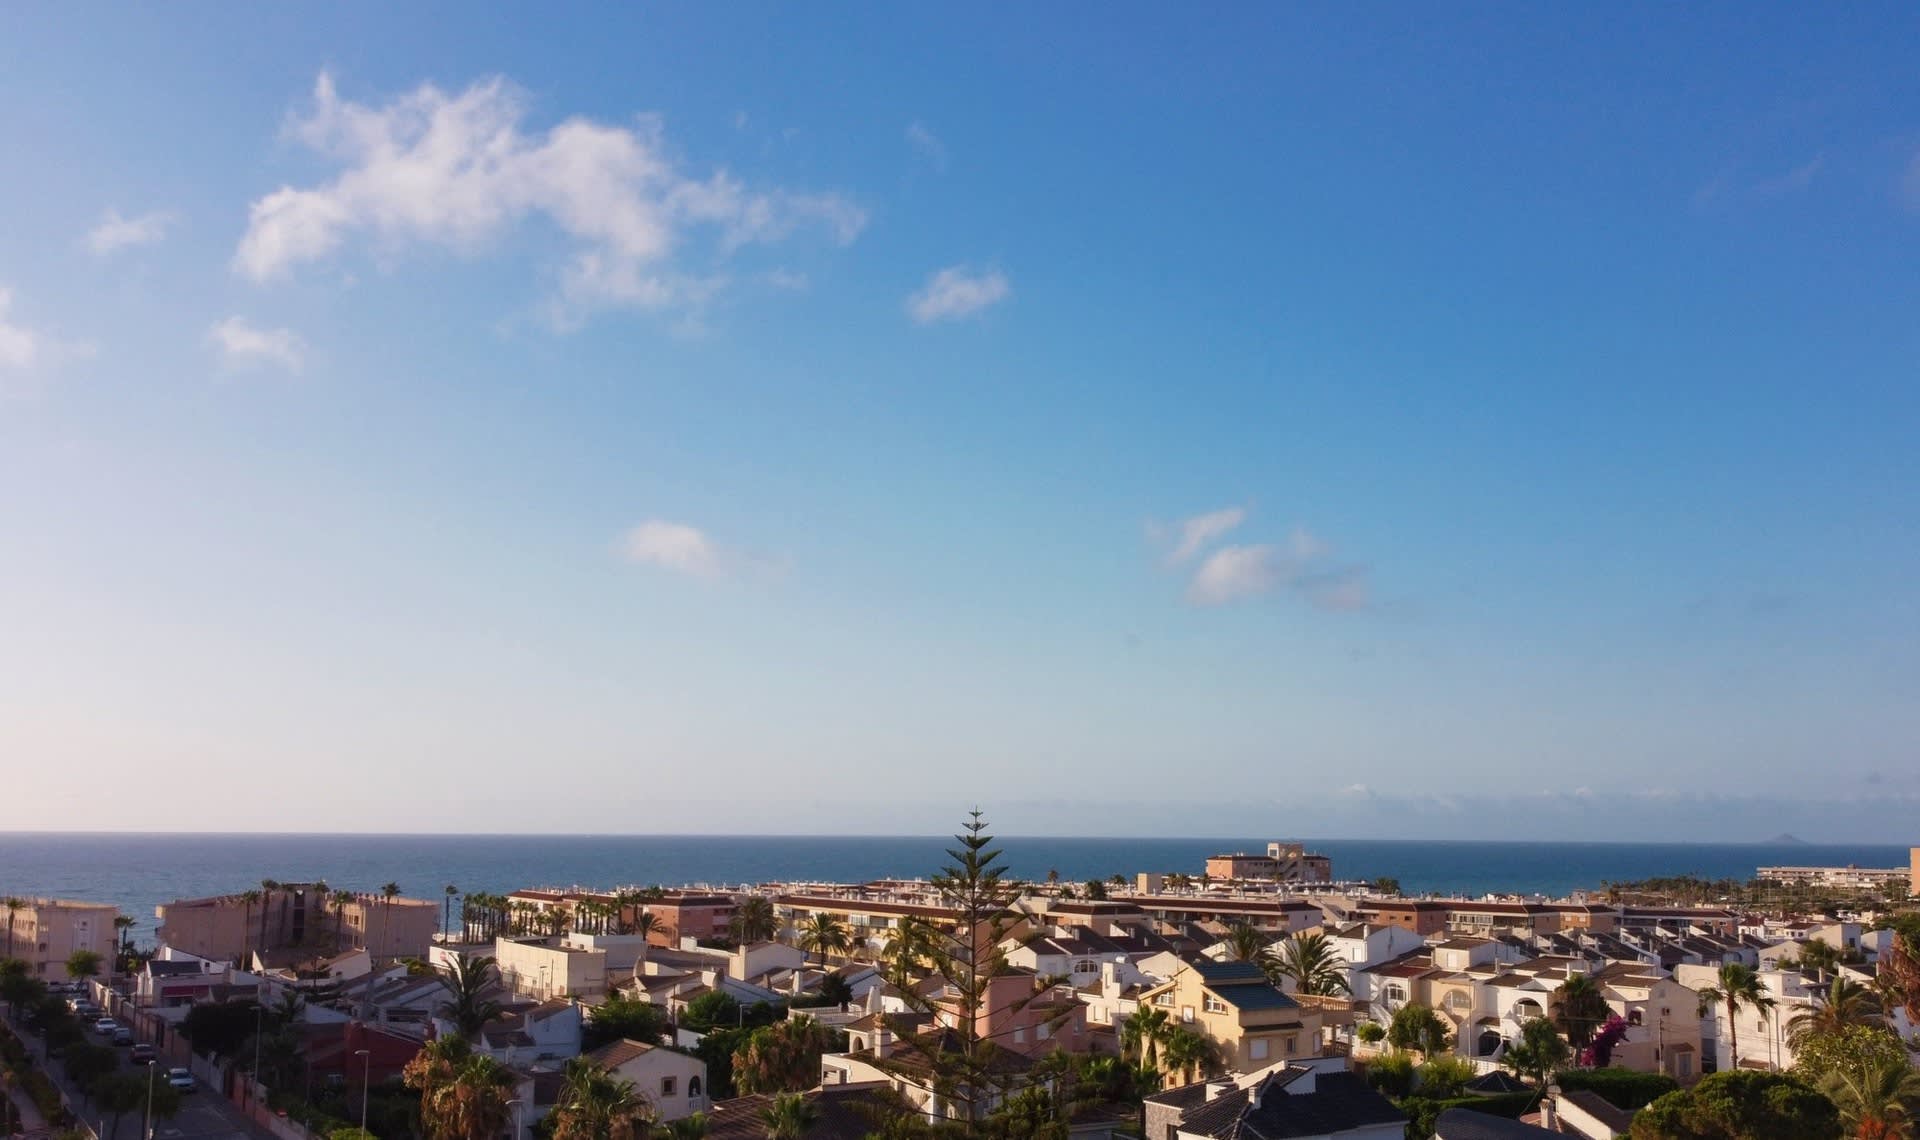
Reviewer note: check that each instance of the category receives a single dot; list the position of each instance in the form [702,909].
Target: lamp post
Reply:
[259,1022]
[147,1131]
[514,1105]
[366,1069]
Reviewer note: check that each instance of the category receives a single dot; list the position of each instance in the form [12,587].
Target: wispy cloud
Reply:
[1910,184]
[1793,181]
[242,344]
[957,292]
[1195,533]
[674,546]
[927,144]
[25,349]
[115,233]
[458,170]
[1732,185]
[1303,564]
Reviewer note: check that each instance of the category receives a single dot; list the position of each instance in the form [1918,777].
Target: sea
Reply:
[139,872]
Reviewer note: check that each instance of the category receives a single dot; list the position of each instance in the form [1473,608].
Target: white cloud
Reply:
[928,144]
[1792,181]
[674,546]
[242,344]
[115,233]
[24,349]
[1302,564]
[459,170]
[955,292]
[1200,531]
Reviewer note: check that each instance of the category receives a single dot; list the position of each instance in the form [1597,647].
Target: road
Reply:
[204,1114]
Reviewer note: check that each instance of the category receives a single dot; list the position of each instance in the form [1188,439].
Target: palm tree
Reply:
[1142,1034]
[1739,986]
[246,926]
[1579,1009]
[908,942]
[1878,1098]
[789,1116]
[388,893]
[824,935]
[754,921]
[1187,1055]
[267,887]
[1246,944]
[446,910]
[463,1095]
[468,981]
[13,905]
[1310,960]
[340,899]
[693,1127]
[1845,1003]
[596,1105]
[1116,880]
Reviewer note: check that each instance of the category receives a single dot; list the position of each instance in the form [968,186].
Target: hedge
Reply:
[1624,1089]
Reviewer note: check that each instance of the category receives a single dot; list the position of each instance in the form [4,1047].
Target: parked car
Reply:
[122,1035]
[142,1053]
[106,1025]
[180,1079]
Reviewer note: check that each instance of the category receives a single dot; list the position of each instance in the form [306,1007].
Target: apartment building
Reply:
[44,933]
[304,916]
[1282,862]
[690,914]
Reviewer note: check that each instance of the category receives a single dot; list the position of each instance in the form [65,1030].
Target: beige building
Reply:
[1248,1020]
[45,932]
[303,916]
[543,969]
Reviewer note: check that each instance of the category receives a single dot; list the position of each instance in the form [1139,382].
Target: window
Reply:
[1165,999]
[1019,1035]
[1186,1014]
[668,1086]
[1635,1017]
[1288,1042]
[1257,1048]
[693,1087]
[1396,992]
[1042,1031]
[1214,1005]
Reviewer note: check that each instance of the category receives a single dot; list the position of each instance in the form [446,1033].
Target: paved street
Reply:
[204,1115]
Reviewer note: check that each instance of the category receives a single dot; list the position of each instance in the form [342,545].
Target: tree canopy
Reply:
[1740,1105]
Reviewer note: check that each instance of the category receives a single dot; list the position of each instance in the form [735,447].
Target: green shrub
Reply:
[1391,1074]
[1444,1076]
[1621,1088]
[1423,1111]
[1372,1032]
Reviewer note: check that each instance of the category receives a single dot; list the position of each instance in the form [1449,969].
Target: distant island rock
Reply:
[1787,838]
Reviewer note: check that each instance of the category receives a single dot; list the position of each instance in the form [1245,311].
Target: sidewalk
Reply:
[27,1113]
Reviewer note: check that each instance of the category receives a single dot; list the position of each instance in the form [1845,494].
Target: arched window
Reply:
[1634,1017]
[693,1087]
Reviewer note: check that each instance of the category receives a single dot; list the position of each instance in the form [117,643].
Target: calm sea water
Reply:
[139,871]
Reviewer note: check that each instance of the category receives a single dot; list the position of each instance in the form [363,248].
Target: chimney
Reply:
[1218,1088]
[882,1041]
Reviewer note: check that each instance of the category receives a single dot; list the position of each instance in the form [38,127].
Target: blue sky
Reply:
[1305,421]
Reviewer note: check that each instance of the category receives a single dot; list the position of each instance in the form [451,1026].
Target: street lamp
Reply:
[366,1068]
[514,1104]
[259,1015]
[147,1132]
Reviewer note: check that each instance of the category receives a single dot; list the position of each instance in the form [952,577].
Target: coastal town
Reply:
[1254,996]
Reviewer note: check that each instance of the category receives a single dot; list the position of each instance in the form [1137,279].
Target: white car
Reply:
[106,1025]
[180,1079]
